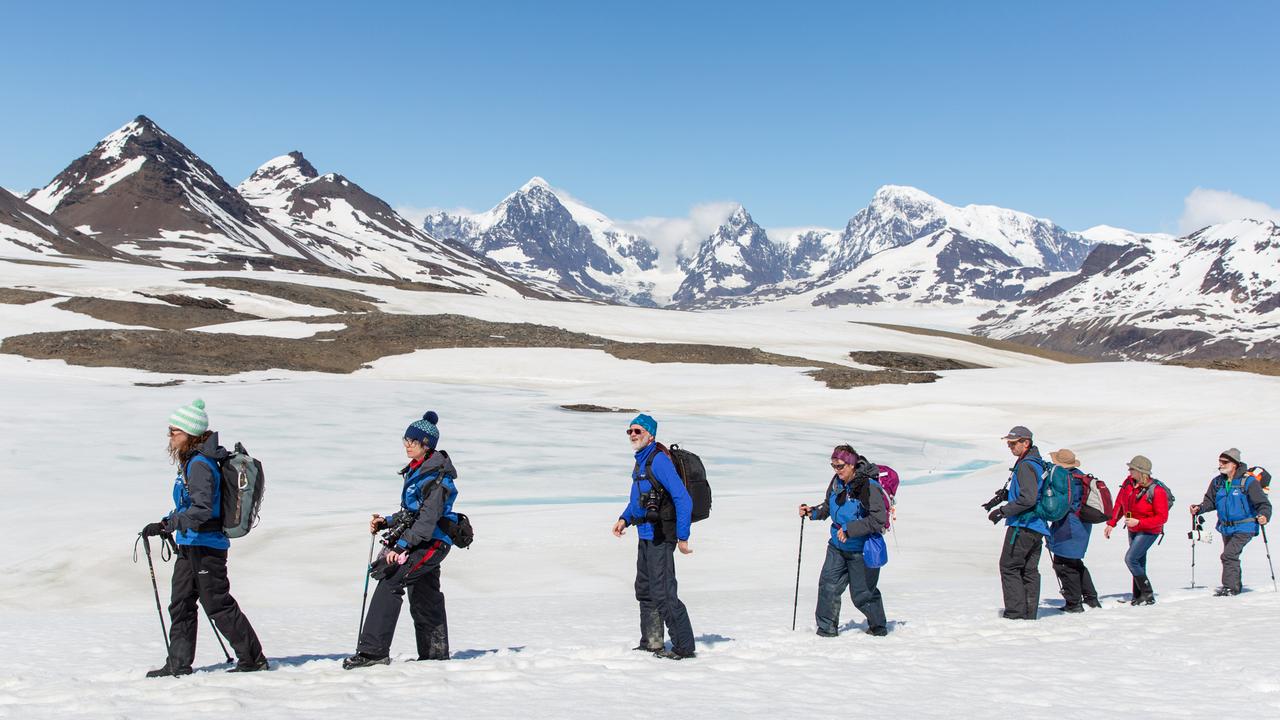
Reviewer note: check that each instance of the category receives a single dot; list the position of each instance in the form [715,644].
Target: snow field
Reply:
[541,607]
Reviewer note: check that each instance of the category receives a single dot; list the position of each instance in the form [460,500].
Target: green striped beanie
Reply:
[190,419]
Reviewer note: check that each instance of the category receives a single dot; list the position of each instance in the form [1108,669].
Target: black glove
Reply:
[996,516]
[153,529]
[1001,495]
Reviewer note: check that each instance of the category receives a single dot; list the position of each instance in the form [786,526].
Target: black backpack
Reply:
[694,476]
[459,532]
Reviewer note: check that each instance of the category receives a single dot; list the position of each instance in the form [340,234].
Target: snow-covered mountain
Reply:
[945,266]
[348,229]
[143,192]
[907,246]
[28,233]
[1212,294]
[735,260]
[899,215]
[809,251]
[548,239]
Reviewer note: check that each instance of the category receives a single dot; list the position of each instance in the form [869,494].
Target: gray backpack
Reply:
[242,486]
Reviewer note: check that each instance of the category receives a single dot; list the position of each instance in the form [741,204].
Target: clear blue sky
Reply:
[1084,112]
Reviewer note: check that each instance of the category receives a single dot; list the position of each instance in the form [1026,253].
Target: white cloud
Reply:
[1209,207]
[681,236]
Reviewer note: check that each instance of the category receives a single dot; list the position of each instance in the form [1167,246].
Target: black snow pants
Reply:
[659,602]
[1077,583]
[1020,572]
[420,575]
[200,574]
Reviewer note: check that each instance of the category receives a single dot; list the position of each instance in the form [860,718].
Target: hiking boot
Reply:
[1092,602]
[645,648]
[1225,591]
[674,654]
[1144,595]
[876,631]
[167,671]
[1073,608]
[255,666]
[827,633]
[360,660]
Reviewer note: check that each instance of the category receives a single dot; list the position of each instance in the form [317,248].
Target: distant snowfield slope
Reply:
[541,609]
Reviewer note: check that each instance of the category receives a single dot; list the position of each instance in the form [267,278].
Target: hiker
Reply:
[1069,540]
[416,542]
[856,506]
[1024,532]
[200,565]
[1143,503]
[658,540]
[1242,507]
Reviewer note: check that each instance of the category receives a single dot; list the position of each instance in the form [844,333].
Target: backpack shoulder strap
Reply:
[217,471]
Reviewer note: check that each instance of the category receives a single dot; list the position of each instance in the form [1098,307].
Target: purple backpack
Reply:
[888,481]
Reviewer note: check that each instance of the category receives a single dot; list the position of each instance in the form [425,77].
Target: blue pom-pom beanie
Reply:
[425,430]
[646,422]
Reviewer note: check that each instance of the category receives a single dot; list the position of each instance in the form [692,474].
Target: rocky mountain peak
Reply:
[279,174]
[732,262]
[140,186]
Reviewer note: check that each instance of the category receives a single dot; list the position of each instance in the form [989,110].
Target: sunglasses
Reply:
[839,466]
[634,431]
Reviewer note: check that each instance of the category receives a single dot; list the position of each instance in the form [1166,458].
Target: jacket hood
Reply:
[212,450]
[436,461]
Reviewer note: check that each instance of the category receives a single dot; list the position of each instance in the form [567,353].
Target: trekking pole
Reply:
[1269,565]
[155,588]
[795,605]
[217,635]
[1192,535]
[365,599]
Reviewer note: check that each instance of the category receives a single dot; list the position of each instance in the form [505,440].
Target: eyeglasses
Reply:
[411,441]
[634,431]
[839,466]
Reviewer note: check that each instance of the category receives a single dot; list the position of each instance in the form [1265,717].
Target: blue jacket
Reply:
[1069,537]
[1239,501]
[1025,480]
[197,499]
[857,507]
[428,500]
[665,473]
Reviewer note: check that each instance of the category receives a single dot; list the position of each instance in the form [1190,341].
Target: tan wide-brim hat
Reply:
[1141,464]
[1064,458]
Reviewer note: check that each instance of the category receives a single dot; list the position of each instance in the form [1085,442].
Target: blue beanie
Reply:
[425,430]
[646,422]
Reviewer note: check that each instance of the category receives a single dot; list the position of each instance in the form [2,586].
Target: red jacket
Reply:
[1150,509]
